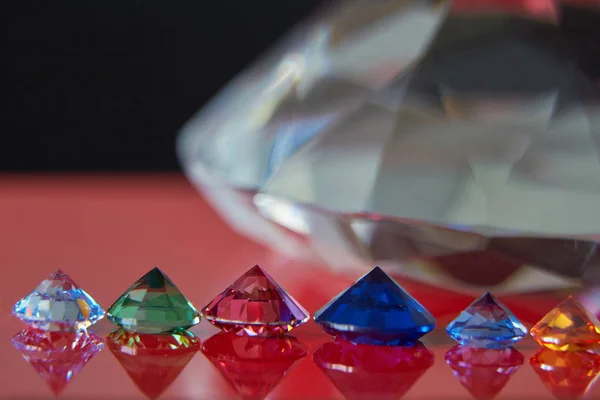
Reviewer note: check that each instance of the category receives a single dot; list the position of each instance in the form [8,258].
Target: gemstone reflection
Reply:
[253,366]
[567,375]
[153,362]
[361,371]
[483,372]
[57,356]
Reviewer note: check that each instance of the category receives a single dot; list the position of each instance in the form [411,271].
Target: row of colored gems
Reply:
[153,343]
[374,310]
[487,329]
[153,316]
[254,305]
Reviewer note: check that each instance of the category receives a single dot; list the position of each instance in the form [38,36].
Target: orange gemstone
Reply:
[568,327]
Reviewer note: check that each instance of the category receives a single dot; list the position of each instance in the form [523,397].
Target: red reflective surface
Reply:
[105,232]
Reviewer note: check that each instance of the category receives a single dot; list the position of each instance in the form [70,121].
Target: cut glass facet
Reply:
[486,323]
[568,327]
[58,304]
[57,356]
[375,310]
[153,304]
[414,130]
[255,305]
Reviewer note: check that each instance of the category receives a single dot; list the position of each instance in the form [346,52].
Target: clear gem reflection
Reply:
[57,356]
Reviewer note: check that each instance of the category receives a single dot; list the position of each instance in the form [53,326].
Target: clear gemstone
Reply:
[486,323]
[416,130]
[58,304]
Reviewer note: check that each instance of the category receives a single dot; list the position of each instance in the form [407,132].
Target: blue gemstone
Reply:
[486,323]
[375,310]
[58,304]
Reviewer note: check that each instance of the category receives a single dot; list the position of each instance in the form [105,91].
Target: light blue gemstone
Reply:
[375,310]
[486,323]
[58,304]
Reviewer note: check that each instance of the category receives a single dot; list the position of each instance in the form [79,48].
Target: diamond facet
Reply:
[483,372]
[153,362]
[386,129]
[58,304]
[486,323]
[253,366]
[57,356]
[568,327]
[566,374]
[256,305]
[375,310]
[365,372]
[153,304]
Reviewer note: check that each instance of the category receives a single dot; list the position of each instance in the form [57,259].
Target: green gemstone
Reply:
[153,304]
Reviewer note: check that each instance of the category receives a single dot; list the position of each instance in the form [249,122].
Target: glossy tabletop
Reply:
[106,232]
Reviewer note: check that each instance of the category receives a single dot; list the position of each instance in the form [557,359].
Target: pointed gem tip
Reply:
[257,268]
[377,274]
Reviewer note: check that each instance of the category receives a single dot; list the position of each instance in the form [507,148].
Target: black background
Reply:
[105,86]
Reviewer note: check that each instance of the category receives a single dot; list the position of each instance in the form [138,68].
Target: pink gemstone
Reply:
[256,305]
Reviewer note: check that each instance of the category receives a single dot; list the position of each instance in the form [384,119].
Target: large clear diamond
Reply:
[425,132]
